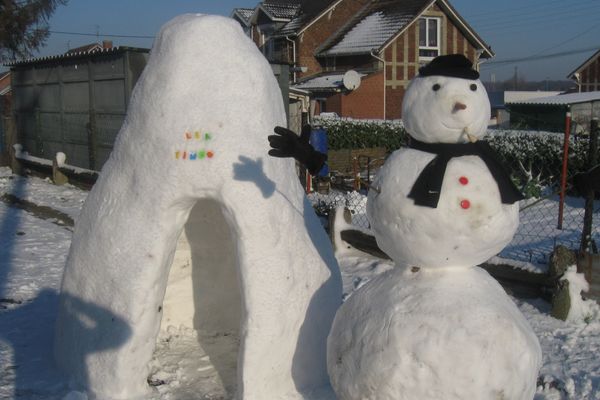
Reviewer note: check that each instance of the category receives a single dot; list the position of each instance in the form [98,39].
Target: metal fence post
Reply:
[563,180]
[586,233]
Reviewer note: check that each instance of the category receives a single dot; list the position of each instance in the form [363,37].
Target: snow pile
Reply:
[432,332]
[60,158]
[580,310]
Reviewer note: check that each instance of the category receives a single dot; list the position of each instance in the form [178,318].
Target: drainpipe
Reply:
[384,96]
[293,54]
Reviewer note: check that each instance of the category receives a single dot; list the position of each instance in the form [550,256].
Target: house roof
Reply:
[373,27]
[308,10]
[561,99]
[585,64]
[68,56]
[380,22]
[243,14]
[278,10]
[88,48]
[324,82]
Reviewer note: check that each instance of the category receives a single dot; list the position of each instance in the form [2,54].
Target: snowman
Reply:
[436,326]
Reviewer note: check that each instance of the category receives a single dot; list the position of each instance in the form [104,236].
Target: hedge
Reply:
[533,159]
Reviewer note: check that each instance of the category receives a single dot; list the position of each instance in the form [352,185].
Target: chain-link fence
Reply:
[534,160]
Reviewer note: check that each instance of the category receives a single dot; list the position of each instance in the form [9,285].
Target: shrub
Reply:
[534,159]
[361,134]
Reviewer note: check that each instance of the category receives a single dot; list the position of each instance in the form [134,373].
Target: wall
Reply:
[365,102]
[74,105]
[590,77]
[321,30]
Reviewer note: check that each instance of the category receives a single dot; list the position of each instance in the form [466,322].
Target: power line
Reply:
[567,40]
[538,19]
[496,17]
[543,57]
[513,9]
[102,34]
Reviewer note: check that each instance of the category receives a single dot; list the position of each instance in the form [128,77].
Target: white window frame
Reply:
[438,48]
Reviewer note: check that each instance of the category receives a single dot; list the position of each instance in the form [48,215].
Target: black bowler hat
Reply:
[454,65]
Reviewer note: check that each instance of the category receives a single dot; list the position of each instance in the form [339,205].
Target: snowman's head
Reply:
[446,102]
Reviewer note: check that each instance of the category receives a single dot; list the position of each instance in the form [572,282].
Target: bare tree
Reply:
[24,26]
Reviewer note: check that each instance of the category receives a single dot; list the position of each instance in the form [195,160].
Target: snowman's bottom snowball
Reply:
[442,334]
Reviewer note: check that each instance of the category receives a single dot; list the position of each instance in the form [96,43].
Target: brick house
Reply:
[587,75]
[384,41]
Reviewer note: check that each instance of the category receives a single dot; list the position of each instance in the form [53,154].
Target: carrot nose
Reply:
[459,106]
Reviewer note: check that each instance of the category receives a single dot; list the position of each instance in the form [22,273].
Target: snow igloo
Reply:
[190,171]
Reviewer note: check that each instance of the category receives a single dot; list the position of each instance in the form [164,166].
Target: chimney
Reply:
[107,44]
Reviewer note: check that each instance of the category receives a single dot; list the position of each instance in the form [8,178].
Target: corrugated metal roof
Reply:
[65,56]
[562,99]
[373,27]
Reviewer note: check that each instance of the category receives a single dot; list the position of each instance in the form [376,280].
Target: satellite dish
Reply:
[351,80]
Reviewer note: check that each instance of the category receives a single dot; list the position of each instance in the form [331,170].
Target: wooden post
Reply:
[39,143]
[563,181]
[11,140]
[356,171]
[586,233]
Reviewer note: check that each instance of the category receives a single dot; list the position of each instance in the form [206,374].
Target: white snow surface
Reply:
[432,334]
[32,257]
[260,287]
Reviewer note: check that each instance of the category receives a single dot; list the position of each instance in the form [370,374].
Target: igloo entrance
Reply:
[203,298]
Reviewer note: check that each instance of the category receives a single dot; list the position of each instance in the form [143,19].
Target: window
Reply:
[429,38]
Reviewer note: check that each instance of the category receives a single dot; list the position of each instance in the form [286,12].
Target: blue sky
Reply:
[515,29]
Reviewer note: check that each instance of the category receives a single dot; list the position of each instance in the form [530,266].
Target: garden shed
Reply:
[74,103]
[548,113]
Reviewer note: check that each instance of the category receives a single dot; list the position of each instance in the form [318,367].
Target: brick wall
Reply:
[322,29]
[590,77]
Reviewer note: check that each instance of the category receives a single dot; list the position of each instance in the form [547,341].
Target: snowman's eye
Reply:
[473,87]
[436,87]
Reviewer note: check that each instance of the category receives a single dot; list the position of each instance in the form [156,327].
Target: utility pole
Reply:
[516,77]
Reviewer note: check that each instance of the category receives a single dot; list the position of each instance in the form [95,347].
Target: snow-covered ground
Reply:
[33,250]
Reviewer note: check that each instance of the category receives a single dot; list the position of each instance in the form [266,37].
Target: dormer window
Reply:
[429,38]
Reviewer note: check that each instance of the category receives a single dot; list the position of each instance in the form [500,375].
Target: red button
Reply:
[465,204]
[463,180]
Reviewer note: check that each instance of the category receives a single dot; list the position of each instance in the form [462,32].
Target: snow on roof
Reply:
[561,100]
[281,10]
[326,82]
[515,96]
[309,9]
[59,57]
[373,27]
[244,14]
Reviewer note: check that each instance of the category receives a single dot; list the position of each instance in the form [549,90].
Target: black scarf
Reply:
[426,190]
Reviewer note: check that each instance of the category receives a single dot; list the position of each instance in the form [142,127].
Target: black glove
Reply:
[287,144]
